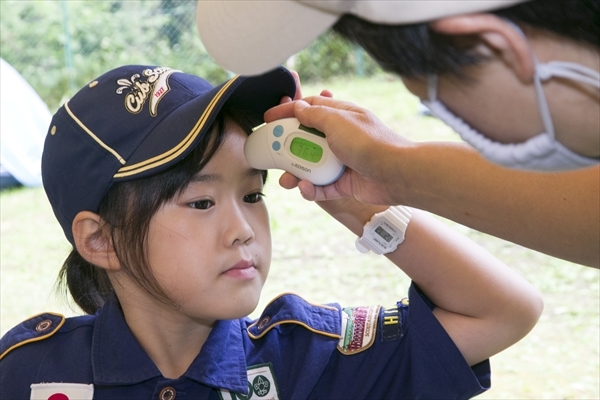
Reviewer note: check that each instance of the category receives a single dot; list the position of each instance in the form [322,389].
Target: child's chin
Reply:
[244,309]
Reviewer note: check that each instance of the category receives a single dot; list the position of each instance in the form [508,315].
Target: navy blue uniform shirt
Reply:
[295,350]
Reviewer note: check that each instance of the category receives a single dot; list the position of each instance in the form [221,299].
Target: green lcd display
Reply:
[306,150]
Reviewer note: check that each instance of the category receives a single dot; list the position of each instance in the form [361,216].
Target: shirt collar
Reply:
[118,358]
[222,360]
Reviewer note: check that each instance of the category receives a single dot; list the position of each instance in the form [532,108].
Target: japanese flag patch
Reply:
[359,325]
[62,391]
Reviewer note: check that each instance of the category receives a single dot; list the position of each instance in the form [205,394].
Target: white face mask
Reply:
[541,152]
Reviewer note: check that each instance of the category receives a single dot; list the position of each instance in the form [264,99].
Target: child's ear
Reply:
[92,242]
[498,34]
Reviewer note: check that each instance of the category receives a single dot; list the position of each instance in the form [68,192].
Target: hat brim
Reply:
[180,132]
[250,37]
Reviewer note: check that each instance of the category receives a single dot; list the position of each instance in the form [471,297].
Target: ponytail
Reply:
[89,285]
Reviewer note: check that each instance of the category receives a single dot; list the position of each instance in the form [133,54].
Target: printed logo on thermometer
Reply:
[287,144]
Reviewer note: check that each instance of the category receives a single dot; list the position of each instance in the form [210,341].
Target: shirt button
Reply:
[263,322]
[167,393]
[43,326]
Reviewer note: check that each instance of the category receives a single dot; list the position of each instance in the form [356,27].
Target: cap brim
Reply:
[179,133]
[250,37]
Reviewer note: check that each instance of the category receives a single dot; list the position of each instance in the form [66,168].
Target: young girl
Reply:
[145,172]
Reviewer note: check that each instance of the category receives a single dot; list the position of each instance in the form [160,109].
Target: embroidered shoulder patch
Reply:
[261,385]
[62,391]
[359,325]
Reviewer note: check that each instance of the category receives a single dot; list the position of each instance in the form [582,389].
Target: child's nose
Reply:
[238,229]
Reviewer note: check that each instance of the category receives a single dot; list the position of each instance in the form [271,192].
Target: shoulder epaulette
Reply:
[36,328]
[289,308]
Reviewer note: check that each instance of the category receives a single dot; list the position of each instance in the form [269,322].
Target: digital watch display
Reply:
[385,231]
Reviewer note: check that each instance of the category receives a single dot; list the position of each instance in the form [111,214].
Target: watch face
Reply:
[385,235]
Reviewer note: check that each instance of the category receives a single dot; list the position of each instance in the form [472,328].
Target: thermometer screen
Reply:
[306,150]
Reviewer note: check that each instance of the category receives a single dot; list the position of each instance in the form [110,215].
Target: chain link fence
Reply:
[60,45]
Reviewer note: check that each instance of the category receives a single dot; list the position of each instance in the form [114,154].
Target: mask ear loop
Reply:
[542,102]
[539,90]
[569,70]
[562,69]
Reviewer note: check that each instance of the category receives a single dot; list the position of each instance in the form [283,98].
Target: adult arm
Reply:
[554,213]
[483,305]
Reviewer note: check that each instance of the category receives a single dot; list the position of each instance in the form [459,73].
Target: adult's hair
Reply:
[416,51]
[127,210]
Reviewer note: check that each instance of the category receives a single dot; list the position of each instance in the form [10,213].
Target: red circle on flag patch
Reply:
[58,396]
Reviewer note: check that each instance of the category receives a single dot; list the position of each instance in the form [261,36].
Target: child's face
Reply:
[210,247]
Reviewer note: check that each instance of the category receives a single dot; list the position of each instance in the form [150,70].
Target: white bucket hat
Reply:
[253,36]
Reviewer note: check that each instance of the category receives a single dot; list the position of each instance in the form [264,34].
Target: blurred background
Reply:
[60,45]
[57,46]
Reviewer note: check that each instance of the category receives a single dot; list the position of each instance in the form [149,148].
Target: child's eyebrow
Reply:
[202,178]
[207,178]
[252,172]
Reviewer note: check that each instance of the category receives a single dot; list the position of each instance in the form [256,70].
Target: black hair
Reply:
[127,210]
[416,51]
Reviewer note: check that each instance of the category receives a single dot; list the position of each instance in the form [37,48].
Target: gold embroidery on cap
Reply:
[93,84]
[155,87]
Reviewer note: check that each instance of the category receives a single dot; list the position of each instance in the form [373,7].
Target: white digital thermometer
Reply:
[287,144]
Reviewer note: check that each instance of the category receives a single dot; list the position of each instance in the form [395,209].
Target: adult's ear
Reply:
[498,34]
[92,241]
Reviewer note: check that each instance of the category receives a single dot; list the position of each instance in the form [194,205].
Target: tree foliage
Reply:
[331,56]
[60,45]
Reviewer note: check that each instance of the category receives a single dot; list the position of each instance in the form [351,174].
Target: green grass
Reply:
[315,256]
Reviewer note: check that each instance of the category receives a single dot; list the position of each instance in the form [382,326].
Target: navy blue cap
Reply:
[135,121]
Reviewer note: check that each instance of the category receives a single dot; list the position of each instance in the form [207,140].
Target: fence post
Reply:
[67,46]
[360,61]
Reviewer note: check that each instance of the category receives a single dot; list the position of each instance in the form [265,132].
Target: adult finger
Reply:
[288,181]
[298,94]
[285,110]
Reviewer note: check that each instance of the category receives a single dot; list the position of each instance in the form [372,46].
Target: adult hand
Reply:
[359,139]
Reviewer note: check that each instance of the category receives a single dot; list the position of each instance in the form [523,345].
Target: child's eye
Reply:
[253,198]
[202,204]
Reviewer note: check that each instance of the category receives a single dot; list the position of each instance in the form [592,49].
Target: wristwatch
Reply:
[385,231]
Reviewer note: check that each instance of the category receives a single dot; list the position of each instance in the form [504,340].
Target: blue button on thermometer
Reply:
[287,144]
